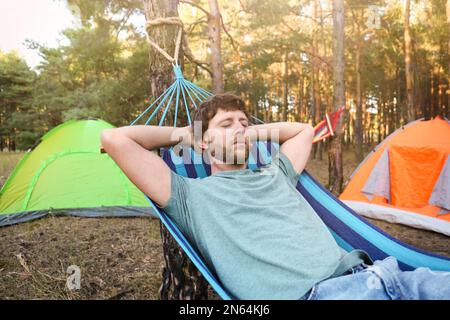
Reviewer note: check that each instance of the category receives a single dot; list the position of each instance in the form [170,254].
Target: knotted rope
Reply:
[166,21]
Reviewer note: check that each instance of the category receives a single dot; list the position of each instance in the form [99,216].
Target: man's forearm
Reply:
[149,137]
[278,131]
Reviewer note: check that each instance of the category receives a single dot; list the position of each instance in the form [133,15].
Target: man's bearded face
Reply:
[226,137]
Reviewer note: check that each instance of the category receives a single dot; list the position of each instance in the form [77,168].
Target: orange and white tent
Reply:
[406,178]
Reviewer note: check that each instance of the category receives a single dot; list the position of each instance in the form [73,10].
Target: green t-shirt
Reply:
[256,231]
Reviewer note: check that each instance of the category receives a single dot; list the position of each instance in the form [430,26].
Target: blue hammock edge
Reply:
[321,201]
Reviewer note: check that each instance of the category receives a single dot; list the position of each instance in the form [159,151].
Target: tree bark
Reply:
[434,92]
[336,176]
[300,105]
[408,63]
[181,279]
[358,120]
[285,86]
[448,59]
[317,152]
[400,106]
[215,41]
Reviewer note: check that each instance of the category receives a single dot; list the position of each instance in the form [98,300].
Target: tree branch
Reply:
[233,44]
[188,53]
[246,10]
[197,6]
[195,23]
[123,22]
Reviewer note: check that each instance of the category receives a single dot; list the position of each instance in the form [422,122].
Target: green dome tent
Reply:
[65,174]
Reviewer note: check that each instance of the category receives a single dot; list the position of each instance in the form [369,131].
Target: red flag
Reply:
[326,127]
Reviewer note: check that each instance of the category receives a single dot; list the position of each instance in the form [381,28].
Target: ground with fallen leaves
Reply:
[118,258]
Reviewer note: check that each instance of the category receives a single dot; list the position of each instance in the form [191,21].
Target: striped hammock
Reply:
[350,230]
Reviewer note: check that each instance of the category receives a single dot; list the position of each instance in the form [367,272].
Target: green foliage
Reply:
[17,113]
[100,70]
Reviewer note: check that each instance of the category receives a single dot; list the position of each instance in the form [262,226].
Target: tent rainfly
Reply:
[406,178]
[65,174]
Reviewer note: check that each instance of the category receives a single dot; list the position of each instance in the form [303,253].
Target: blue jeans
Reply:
[383,281]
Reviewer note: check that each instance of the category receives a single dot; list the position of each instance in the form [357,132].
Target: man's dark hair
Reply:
[207,110]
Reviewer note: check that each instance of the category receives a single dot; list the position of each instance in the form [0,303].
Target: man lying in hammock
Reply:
[259,235]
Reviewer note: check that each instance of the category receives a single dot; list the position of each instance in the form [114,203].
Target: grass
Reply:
[119,258]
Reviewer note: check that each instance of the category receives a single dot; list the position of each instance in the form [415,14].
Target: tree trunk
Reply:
[285,86]
[408,64]
[336,176]
[434,92]
[253,96]
[181,279]
[448,60]
[399,106]
[358,120]
[215,41]
[315,82]
[300,105]
[348,129]
[427,94]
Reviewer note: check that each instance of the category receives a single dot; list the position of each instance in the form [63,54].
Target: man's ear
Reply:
[206,141]
[200,145]
[204,144]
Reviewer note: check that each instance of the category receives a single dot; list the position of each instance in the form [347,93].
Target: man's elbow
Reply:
[308,131]
[107,138]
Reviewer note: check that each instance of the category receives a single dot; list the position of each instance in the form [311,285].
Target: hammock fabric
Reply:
[350,230]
